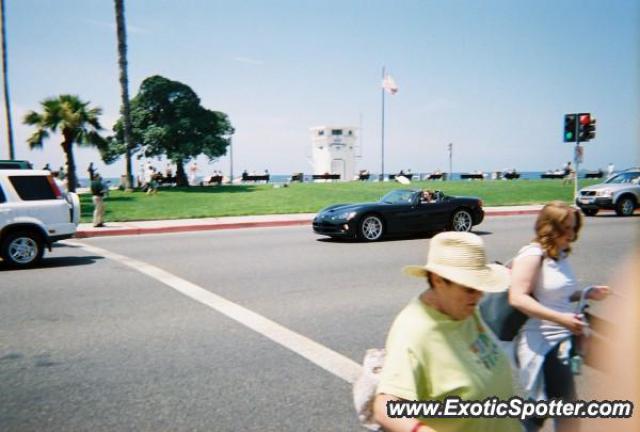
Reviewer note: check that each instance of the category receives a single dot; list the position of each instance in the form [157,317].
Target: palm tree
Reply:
[74,119]
[124,87]
[7,100]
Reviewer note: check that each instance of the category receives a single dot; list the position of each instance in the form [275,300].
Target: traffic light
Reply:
[570,127]
[586,127]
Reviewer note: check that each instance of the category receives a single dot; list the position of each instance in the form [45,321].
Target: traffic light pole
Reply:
[576,163]
[578,125]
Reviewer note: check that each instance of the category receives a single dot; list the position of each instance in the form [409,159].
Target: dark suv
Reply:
[15,164]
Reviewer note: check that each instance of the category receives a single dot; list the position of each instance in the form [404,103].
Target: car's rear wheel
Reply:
[461,221]
[371,228]
[22,249]
[589,211]
[625,206]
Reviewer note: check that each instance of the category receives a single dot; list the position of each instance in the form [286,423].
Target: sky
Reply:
[493,77]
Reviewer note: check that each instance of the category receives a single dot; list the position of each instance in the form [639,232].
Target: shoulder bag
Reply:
[503,319]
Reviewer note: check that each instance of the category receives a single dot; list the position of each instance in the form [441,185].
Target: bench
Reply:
[469,176]
[163,180]
[407,176]
[217,179]
[255,178]
[297,177]
[436,177]
[552,175]
[594,174]
[511,175]
[363,177]
[326,176]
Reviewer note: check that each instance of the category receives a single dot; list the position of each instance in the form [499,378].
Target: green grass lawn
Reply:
[238,200]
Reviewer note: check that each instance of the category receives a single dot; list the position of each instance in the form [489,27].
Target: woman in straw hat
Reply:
[543,287]
[438,346]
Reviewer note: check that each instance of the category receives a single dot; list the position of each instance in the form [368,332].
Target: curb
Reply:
[237,225]
[511,212]
[185,228]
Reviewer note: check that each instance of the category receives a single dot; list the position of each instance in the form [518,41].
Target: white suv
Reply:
[620,192]
[33,215]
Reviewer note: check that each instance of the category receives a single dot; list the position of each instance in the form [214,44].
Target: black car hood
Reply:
[347,207]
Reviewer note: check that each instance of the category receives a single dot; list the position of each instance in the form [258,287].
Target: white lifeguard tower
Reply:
[334,151]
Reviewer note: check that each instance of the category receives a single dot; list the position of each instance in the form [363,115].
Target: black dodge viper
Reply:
[402,211]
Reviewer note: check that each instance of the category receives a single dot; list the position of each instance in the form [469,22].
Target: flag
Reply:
[389,85]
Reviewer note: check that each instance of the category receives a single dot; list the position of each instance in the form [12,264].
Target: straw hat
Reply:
[460,257]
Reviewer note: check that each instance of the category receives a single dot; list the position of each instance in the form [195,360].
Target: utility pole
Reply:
[450,161]
[231,161]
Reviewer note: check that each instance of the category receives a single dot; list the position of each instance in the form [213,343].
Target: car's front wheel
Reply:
[590,211]
[371,228]
[461,221]
[22,249]
[625,206]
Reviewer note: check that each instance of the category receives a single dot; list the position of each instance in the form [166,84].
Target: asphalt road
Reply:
[110,344]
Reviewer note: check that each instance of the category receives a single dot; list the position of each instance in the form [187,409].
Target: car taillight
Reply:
[481,203]
[54,187]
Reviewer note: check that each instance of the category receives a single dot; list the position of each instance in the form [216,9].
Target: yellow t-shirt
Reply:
[430,357]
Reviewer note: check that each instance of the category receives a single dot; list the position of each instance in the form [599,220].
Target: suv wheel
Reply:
[22,249]
[625,206]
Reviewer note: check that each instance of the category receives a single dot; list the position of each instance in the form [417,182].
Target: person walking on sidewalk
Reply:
[439,347]
[92,171]
[152,185]
[543,288]
[569,173]
[98,189]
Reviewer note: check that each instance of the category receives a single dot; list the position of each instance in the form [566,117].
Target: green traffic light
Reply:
[570,127]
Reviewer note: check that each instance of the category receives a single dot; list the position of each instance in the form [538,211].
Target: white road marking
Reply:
[339,365]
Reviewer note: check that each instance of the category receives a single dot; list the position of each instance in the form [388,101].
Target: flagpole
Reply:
[382,156]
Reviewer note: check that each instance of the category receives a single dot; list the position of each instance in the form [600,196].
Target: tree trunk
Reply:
[67,147]
[124,88]
[181,177]
[7,99]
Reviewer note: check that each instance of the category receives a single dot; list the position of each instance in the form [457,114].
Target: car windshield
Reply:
[628,177]
[398,197]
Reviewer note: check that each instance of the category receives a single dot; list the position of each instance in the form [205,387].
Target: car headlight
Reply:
[345,215]
[604,193]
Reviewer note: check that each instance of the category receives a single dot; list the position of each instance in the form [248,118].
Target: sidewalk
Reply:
[206,224]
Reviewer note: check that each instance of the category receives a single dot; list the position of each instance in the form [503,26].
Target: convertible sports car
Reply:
[402,211]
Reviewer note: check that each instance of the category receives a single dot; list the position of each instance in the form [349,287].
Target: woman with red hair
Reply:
[543,286]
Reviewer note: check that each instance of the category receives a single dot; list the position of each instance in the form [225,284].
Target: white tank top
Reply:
[556,282]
